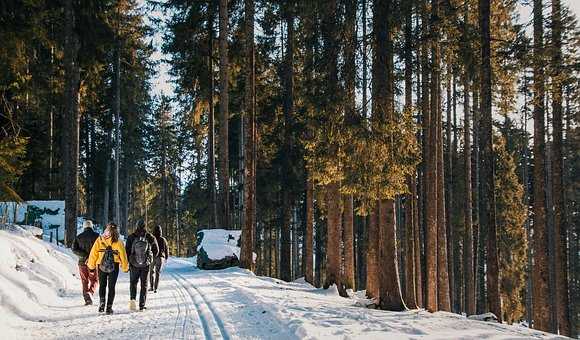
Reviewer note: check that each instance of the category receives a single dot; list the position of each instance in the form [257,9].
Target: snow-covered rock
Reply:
[218,248]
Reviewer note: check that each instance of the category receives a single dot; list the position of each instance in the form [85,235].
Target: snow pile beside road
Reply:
[219,243]
[34,275]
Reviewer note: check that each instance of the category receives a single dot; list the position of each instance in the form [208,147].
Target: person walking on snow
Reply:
[158,261]
[82,246]
[141,249]
[108,254]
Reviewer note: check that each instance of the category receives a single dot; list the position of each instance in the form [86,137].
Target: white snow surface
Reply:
[40,298]
[220,243]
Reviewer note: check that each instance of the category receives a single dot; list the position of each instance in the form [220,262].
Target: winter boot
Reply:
[142,308]
[88,300]
[102,307]
[109,310]
[132,305]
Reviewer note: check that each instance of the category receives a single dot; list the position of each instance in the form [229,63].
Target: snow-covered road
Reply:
[40,299]
[190,304]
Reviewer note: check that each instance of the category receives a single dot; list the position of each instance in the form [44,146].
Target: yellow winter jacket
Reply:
[98,251]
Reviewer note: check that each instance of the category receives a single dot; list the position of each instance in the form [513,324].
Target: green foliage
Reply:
[12,165]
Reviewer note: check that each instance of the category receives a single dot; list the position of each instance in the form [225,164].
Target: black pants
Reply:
[139,274]
[155,270]
[108,280]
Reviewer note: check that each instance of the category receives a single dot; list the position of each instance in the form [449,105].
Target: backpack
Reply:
[141,255]
[107,264]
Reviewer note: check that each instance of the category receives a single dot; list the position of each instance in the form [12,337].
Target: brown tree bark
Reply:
[249,227]
[211,171]
[224,177]
[351,119]
[333,256]
[430,119]
[372,254]
[410,200]
[288,108]
[541,310]
[71,118]
[348,242]
[390,297]
[448,180]
[469,279]
[560,226]
[487,216]
[309,237]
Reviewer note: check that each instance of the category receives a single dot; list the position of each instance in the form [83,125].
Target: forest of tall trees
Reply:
[425,151]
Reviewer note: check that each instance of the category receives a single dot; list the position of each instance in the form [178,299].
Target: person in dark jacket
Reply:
[158,261]
[82,246]
[142,248]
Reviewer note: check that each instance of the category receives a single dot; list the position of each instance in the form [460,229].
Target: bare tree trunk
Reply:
[448,180]
[372,255]
[560,225]
[348,242]
[224,115]
[389,288]
[540,277]
[71,114]
[351,119]
[309,237]
[288,107]
[487,216]
[117,113]
[410,200]
[334,231]
[469,279]
[249,227]
[211,173]
[431,257]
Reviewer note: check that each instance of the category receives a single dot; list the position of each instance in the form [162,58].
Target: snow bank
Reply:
[219,243]
[33,276]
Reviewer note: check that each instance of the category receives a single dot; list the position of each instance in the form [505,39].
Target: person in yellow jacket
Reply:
[108,254]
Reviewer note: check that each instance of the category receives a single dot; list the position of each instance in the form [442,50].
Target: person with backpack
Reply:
[82,246]
[142,248]
[108,254]
[158,261]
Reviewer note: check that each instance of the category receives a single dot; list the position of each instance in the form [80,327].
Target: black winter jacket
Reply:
[162,242]
[84,243]
[137,234]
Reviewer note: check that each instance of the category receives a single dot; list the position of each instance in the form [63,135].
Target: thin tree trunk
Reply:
[117,113]
[351,119]
[348,242]
[449,197]
[560,226]
[224,115]
[211,172]
[247,249]
[71,109]
[288,107]
[410,237]
[469,278]
[487,216]
[431,193]
[541,307]
[309,237]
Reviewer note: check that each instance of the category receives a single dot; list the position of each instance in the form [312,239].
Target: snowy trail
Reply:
[40,298]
